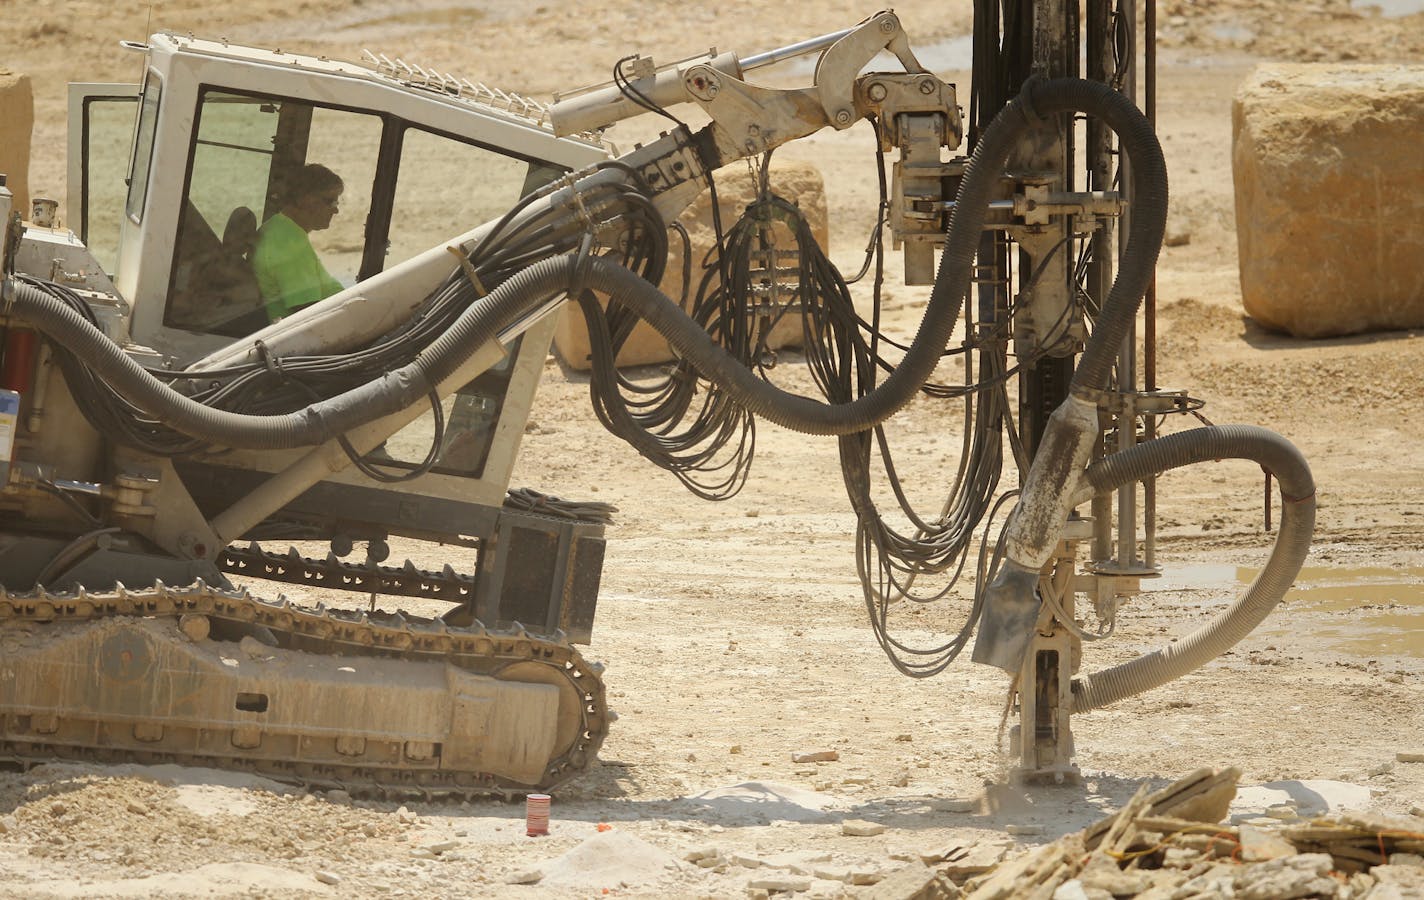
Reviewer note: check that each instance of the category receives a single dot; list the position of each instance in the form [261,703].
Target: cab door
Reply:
[101,132]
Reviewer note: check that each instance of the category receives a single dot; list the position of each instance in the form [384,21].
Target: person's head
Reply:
[313,197]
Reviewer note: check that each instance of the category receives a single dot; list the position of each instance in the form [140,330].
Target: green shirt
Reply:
[289,274]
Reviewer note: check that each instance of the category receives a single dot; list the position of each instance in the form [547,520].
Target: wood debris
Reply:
[1171,843]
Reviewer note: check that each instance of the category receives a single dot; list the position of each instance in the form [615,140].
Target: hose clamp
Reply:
[580,210]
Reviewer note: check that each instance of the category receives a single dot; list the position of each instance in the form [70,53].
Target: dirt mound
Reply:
[610,860]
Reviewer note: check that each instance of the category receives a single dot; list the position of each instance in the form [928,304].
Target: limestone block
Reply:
[17,120]
[1329,178]
[799,183]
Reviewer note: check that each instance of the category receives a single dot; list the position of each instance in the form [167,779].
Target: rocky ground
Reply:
[734,634]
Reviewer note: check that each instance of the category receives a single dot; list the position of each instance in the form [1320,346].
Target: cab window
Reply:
[447,187]
[249,183]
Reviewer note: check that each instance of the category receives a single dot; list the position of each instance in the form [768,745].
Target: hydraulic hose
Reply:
[1274,454]
[314,424]
[811,416]
[482,321]
[1039,100]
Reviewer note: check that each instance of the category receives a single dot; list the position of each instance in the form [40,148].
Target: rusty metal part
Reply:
[293,568]
[374,702]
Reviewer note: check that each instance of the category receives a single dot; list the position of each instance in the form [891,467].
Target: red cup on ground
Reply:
[536,815]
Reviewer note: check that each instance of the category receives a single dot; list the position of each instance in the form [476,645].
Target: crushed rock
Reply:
[861,828]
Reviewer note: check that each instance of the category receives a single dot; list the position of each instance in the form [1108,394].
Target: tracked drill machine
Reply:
[169,442]
[125,538]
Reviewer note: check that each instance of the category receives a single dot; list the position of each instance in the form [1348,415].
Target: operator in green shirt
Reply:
[289,274]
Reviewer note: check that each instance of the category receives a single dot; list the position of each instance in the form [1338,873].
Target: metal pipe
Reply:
[1126,440]
[1127,357]
[1099,165]
[1149,328]
[790,51]
[1149,65]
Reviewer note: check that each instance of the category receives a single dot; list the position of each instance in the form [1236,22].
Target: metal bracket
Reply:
[1037,204]
[1045,736]
[836,72]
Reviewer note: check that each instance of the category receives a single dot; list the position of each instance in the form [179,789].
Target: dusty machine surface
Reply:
[167,439]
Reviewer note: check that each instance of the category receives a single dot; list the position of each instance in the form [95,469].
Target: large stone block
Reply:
[800,183]
[1329,174]
[17,120]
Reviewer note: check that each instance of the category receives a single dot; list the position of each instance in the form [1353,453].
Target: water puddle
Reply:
[1390,9]
[1369,612]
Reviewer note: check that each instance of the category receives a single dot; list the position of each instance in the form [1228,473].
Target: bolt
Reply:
[876,91]
[702,82]
[887,24]
[927,86]
[843,117]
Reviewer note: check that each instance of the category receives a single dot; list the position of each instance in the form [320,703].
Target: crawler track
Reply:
[512,656]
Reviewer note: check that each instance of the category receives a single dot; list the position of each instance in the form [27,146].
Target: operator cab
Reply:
[222,134]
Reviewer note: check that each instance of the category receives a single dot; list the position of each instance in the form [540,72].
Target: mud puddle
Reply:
[1370,612]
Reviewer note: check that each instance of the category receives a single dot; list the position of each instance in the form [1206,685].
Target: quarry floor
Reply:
[734,633]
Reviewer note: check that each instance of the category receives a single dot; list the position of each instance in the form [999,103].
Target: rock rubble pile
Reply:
[1171,845]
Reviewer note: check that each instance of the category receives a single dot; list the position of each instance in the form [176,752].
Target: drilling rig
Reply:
[164,434]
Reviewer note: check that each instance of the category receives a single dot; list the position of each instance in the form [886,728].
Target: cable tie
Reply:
[468,267]
[1303,499]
